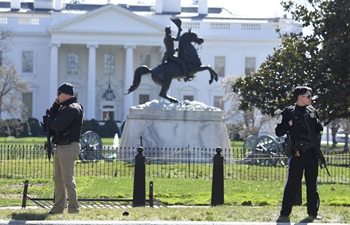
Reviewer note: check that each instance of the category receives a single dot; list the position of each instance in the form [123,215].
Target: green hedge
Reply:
[33,128]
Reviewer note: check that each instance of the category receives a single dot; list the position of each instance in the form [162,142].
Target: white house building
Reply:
[97,46]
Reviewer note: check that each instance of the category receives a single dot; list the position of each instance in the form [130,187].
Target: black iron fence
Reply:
[25,162]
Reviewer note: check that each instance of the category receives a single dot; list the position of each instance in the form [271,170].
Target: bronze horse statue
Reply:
[164,73]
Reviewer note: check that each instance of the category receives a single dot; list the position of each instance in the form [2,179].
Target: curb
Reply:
[52,222]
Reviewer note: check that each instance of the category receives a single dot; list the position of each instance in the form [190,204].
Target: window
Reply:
[188,97]
[73,64]
[218,103]
[219,63]
[143,99]
[108,64]
[249,65]
[220,26]
[107,112]
[145,60]
[28,62]
[27,109]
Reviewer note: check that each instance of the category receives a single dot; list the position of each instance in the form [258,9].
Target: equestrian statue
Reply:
[181,66]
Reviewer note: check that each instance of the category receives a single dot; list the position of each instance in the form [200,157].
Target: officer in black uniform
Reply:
[304,156]
[65,120]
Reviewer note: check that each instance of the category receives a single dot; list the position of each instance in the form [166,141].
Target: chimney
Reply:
[15,5]
[159,6]
[202,7]
[58,5]
[172,6]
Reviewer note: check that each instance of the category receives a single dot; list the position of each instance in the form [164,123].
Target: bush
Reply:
[4,129]
[15,126]
[25,128]
[35,127]
[86,126]
[95,126]
[32,127]
[109,129]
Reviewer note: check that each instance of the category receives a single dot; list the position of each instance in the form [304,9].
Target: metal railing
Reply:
[23,161]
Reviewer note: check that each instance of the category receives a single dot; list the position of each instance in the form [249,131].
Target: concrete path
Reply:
[51,222]
[77,222]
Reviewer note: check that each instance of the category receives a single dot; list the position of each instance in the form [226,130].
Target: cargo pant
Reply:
[63,178]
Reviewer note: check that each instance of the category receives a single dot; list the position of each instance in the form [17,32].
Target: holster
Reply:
[304,145]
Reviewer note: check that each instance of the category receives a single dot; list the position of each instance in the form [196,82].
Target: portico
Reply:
[93,59]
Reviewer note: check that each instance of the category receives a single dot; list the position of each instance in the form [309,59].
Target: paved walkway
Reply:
[77,222]
[51,222]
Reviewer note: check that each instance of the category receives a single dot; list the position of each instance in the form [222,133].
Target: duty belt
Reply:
[303,145]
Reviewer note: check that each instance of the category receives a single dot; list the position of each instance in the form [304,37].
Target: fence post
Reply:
[25,192]
[139,195]
[217,192]
[151,194]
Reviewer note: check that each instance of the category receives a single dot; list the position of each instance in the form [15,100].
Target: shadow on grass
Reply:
[29,216]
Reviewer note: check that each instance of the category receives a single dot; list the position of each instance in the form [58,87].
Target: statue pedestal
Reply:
[175,126]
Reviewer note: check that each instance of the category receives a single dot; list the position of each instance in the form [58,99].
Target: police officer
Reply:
[304,156]
[66,119]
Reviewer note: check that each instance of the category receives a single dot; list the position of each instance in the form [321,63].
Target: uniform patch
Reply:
[280,118]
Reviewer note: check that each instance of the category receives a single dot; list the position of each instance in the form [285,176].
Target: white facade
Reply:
[49,36]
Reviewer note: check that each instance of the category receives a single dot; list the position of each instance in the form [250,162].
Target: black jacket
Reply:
[295,113]
[66,121]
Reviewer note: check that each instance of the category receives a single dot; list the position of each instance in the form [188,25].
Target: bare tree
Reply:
[11,85]
[244,123]
[11,89]
[334,125]
[5,43]
[345,124]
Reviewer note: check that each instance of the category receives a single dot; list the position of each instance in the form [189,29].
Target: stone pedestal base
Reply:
[185,125]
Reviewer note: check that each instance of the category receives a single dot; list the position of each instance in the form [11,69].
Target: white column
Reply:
[159,6]
[128,79]
[58,5]
[91,83]
[15,4]
[202,7]
[53,79]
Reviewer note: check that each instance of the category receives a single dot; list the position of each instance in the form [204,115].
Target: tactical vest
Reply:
[297,132]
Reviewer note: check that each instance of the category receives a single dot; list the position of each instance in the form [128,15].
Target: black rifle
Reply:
[315,143]
[48,146]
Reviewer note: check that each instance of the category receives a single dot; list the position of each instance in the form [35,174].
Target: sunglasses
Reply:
[308,96]
[59,93]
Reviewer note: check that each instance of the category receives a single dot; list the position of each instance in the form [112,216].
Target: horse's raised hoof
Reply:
[173,100]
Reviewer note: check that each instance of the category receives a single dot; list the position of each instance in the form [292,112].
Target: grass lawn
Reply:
[245,200]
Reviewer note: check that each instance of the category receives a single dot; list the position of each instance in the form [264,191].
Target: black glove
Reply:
[45,122]
[319,127]
[53,110]
[287,115]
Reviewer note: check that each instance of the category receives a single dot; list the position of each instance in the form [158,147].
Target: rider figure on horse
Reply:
[169,53]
